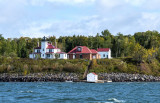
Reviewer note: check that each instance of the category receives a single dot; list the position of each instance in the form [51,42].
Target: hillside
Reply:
[119,65]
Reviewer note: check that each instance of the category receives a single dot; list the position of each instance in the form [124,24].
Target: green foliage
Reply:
[26,66]
[57,56]
[139,53]
[121,45]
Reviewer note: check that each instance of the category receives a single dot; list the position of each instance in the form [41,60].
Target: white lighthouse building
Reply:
[47,51]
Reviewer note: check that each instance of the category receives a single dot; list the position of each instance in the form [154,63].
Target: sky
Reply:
[38,18]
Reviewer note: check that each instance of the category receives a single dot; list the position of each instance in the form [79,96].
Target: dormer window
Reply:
[79,49]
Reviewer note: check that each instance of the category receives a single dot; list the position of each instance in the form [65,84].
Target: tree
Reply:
[140,53]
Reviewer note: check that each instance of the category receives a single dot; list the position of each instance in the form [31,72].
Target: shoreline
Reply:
[75,77]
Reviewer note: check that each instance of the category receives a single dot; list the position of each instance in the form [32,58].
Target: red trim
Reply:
[35,53]
[61,53]
[50,46]
[49,52]
[94,73]
[37,48]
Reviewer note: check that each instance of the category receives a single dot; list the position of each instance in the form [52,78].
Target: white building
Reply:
[47,51]
[92,77]
[104,53]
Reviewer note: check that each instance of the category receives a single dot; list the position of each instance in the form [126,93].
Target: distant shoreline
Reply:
[75,77]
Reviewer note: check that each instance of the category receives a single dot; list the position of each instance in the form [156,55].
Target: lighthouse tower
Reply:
[44,43]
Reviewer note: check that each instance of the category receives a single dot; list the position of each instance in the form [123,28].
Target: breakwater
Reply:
[62,77]
[39,77]
[124,77]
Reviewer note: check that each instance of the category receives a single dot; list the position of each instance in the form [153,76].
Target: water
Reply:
[52,92]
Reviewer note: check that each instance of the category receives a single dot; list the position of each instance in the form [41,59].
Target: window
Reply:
[103,55]
[48,55]
[38,51]
[80,56]
[43,49]
[79,49]
[107,56]
[50,50]
[43,55]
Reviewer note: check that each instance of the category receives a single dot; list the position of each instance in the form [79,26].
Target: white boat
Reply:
[109,81]
[69,81]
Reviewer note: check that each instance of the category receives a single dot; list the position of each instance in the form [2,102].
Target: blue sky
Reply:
[36,18]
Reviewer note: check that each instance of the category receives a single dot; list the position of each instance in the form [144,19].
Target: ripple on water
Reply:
[25,91]
[116,100]
[80,92]
[25,97]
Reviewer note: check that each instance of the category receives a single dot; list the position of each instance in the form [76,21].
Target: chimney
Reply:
[55,43]
[38,43]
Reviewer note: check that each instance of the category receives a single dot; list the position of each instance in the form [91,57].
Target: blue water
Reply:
[52,92]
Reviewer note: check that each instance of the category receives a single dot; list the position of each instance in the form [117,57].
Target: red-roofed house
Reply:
[104,52]
[83,52]
[47,50]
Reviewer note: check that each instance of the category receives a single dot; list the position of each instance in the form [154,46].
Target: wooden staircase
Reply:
[87,70]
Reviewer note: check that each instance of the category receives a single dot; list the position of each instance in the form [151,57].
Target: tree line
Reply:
[142,46]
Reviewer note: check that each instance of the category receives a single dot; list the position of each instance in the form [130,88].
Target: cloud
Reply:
[66,2]
[88,25]
[35,30]
[150,21]
[36,18]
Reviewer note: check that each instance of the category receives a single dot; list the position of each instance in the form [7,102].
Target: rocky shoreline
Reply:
[62,77]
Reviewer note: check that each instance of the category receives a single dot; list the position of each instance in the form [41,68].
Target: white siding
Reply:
[43,48]
[63,56]
[105,54]
[43,52]
[92,77]
[31,56]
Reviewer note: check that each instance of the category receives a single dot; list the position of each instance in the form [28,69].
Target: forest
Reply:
[142,46]
[138,53]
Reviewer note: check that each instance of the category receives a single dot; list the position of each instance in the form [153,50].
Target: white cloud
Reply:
[36,18]
[86,26]
[66,2]
[35,30]
[150,21]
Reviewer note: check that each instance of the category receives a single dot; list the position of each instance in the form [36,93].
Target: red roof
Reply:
[94,73]
[37,48]
[50,46]
[103,49]
[84,49]
[94,51]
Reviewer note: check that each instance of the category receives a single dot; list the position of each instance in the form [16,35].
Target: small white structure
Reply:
[92,77]
[104,53]
[47,51]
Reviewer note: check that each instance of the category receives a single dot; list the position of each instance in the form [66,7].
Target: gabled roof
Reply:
[103,49]
[94,73]
[84,49]
[94,51]
[50,46]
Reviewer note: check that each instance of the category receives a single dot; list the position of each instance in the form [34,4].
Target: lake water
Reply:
[52,92]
